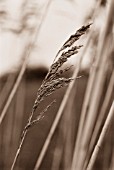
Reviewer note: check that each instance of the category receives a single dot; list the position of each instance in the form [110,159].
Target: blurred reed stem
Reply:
[101,137]
[96,83]
[112,160]
[101,115]
[58,151]
[27,53]
[86,100]
[6,89]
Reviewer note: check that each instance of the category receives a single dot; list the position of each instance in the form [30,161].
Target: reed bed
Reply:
[79,135]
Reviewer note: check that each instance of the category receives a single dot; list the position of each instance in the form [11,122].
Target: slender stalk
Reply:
[7,135]
[18,151]
[85,105]
[58,151]
[101,115]
[101,138]
[81,125]
[112,160]
[19,116]
[6,89]
[13,91]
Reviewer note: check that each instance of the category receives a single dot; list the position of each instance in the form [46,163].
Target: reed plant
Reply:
[52,82]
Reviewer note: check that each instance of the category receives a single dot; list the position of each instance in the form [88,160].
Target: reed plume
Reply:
[52,82]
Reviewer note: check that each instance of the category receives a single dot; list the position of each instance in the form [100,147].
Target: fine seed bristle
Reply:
[61,60]
[73,38]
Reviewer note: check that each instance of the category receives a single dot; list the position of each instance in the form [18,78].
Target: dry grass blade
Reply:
[101,138]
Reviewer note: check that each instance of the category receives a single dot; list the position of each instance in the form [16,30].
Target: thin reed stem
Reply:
[101,138]
[85,104]
[112,160]
[19,149]
[101,115]
[6,89]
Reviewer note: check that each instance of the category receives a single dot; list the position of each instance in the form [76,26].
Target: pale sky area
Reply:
[63,18]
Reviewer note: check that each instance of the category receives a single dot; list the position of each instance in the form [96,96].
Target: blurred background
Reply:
[31,33]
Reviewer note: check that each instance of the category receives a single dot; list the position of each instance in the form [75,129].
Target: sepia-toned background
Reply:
[31,34]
